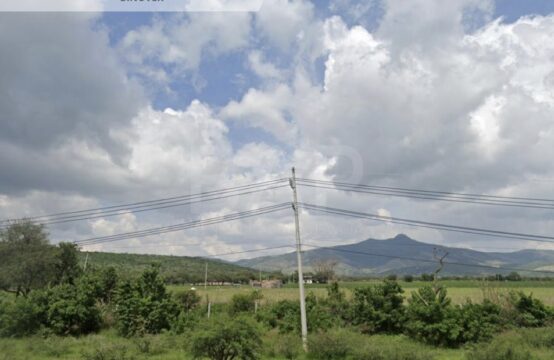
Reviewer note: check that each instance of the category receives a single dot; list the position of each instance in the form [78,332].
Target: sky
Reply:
[107,108]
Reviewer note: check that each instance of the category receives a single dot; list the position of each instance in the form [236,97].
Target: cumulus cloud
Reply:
[178,43]
[60,79]
[438,96]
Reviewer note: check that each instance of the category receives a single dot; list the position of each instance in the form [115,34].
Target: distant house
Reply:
[266,284]
[308,279]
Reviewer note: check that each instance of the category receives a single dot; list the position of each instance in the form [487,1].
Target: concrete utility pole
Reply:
[303,320]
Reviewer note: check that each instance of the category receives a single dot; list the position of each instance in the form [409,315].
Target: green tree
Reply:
[67,268]
[227,339]
[144,305]
[379,308]
[27,260]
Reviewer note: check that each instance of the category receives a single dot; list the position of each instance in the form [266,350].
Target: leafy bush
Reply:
[529,311]
[244,302]
[286,346]
[329,345]
[188,299]
[379,308]
[19,317]
[432,319]
[285,315]
[336,303]
[223,338]
[408,278]
[72,310]
[480,322]
[144,306]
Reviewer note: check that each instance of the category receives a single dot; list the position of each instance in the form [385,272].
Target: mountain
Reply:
[395,258]
[175,269]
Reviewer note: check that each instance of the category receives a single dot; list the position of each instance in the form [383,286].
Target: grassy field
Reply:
[458,290]
[108,346]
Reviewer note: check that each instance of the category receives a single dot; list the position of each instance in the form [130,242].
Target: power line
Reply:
[220,254]
[183,226]
[425,224]
[162,204]
[431,195]
[427,260]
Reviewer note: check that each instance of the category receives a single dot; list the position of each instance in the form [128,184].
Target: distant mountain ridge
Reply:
[351,263]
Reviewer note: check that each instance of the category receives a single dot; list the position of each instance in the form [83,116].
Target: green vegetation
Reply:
[173,269]
[105,314]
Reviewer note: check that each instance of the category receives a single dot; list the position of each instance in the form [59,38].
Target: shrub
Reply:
[244,302]
[529,311]
[479,322]
[20,317]
[379,308]
[286,346]
[432,319]
[188,299]
[285,315]
[144,306]
[329,345]
[408,278]
[336,303]
[225,339]
[72,310]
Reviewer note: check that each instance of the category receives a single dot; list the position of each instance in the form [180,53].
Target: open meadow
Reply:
[459,290]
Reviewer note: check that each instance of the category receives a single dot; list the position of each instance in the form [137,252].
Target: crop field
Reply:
[459,290]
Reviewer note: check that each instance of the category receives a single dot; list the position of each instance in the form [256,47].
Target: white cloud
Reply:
[283,22]
[264,110]
[262,68]
[180,42]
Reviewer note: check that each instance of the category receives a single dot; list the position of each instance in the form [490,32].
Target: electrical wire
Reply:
[430,195]
[425,224]
[156,205]
[183,226]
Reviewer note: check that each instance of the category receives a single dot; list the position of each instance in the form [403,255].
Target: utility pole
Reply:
[303,321]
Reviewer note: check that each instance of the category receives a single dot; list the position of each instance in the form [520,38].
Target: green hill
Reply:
[175,269]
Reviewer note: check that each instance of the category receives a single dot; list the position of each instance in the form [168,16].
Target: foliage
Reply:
[19,317]
[408,278]
[67,269]
[72,310]
[329,345]
[174,269]
[244,302]
[27,261]
[288,346]
[379,308]
[285,315]
[144,306]
[529,311]
[502,349]
[513,276]
[432,319]
[479,322]
[226,339]
[336,303]
[188,299]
